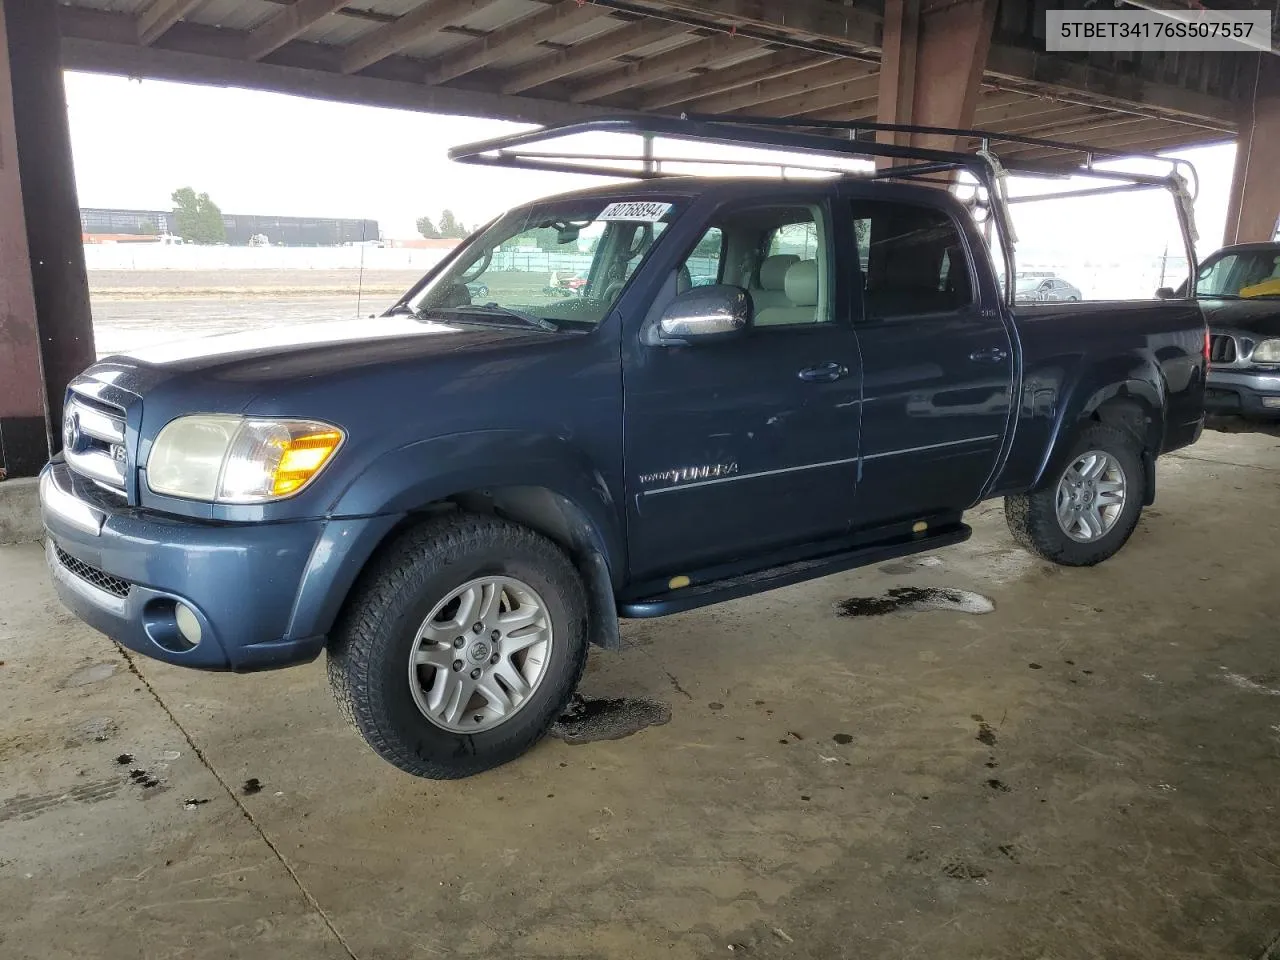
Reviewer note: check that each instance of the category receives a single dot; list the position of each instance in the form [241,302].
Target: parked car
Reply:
[477,290]
[1035,289]
[566,285]
[1239,290]
[456,501]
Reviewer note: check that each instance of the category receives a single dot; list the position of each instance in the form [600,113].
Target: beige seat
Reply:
[801,288]
[773,278]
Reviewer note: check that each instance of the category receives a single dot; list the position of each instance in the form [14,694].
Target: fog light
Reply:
[1272,402]
[188,624]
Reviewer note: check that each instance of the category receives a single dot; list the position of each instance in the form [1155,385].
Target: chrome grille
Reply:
[93,441]
[1222,348]
[92,575]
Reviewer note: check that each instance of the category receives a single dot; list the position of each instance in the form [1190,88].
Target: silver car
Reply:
[1034,289]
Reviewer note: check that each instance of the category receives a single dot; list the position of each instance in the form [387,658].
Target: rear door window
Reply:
[912,257]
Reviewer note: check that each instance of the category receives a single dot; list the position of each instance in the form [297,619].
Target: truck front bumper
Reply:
[214,596]
[1248,393]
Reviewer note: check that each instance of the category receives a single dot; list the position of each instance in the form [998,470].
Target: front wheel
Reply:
[1092,505]
[461,647]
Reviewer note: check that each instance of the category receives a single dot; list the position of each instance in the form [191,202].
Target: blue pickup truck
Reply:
[455,499]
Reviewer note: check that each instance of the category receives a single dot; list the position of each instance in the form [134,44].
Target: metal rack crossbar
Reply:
[835,140]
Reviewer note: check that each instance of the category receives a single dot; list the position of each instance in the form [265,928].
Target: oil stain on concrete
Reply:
[587,721]
[915,600]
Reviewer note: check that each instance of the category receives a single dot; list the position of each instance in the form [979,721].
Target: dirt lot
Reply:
[1092,770]
[133,309]
[181,284]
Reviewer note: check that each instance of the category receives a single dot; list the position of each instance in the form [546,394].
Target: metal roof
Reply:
[556,60]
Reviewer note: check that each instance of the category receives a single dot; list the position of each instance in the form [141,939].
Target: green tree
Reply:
[451,226]
[548,239]
[148,228]
[428,229]
[197,219]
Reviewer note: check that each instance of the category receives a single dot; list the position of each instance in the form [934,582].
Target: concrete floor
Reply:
[1092,770]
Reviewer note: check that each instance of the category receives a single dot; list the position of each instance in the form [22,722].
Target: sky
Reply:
[135,142]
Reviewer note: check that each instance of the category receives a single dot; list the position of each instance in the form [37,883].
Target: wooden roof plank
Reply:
[701,54]
[534,29]
[287,24]
[382,42]
[156,19]
[860,86]
[582,56]
[704,85]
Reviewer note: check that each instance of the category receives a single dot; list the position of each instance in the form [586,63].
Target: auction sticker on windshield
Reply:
[639,210]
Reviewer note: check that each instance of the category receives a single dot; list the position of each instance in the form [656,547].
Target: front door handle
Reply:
[989,355]
[823,372]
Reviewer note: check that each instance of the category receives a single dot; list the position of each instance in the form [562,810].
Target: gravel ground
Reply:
[133,309]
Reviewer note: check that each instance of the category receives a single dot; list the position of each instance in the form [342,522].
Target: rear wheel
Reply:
[460,649]
[1089,509]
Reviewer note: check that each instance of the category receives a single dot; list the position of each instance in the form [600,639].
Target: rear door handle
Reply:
[989,355]
[823,372]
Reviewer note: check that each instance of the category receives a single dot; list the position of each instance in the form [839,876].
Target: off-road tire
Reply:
[370,645]
[1033,519]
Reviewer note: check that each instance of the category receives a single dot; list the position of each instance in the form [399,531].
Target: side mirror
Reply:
[1166,293]
[704,314]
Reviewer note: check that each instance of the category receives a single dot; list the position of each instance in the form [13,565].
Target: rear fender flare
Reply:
[1101,385]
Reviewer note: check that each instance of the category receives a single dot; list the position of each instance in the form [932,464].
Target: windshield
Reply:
[1249,273]
[1027,285]
[560,265]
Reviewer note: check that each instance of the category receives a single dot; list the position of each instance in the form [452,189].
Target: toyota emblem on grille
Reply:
[70,431]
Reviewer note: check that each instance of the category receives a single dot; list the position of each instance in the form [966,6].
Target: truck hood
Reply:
[255,360]
[273,341]
[1260,317]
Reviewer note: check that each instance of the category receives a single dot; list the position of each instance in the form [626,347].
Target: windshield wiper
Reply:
[486,310]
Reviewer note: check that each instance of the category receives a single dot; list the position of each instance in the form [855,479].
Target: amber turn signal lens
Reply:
[301,458]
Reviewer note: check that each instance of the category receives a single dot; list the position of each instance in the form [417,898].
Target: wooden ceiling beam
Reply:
[848,112]
[858,89]
[382,42]
[1022,108]
[699,55]
[714,82]
[1145,132]
[1085,128]
[828,27]
[993,99]
[793,87]
[838,24]
[153,22]
[537,28]
[100,42]
[1065,114]
[288,23]
[597,50]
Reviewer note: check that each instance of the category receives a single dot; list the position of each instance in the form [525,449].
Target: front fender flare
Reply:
[428,471]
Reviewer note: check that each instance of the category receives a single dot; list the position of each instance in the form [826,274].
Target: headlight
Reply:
[1268,351]
[231,459]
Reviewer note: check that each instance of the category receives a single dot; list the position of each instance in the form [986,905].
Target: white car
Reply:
[1033,289]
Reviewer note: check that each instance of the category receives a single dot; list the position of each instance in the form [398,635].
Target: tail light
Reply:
[1206,347]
